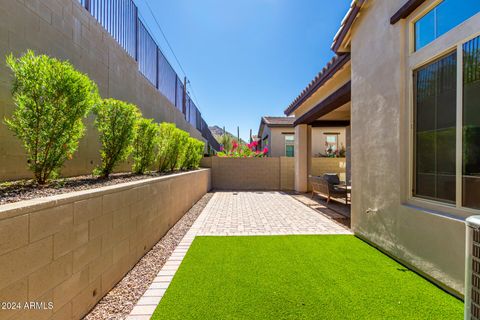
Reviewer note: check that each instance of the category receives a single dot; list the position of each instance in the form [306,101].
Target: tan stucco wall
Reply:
[63,29]
[72,249]
[430,241]
[277,142]
[319,138]
[277,139]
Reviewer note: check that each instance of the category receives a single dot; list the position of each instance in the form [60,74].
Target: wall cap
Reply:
[14,209]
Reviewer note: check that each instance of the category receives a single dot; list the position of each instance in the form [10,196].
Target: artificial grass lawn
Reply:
[298,277]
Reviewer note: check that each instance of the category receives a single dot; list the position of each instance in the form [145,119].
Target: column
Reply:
[301,158]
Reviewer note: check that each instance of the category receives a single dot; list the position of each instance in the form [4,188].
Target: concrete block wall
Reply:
[287,173]
[72,249]
[65,30]
[271,173]
[245,173]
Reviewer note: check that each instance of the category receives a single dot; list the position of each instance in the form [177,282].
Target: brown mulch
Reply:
[15,191]
[119,302]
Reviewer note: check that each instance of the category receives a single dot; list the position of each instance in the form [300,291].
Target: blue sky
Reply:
[246,58]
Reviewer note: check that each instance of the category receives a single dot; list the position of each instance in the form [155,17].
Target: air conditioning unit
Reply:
[472,269]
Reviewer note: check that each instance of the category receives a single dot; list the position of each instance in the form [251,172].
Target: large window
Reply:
[471,124]
[441,19]
[289,145]
[439,97]
[435,135]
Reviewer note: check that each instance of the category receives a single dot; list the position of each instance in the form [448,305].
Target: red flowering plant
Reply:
[237,150]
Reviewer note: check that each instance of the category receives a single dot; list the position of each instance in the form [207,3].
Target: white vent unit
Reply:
[472,269]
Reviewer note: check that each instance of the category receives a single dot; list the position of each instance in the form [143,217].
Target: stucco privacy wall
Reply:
[276,139]
[72,249]
[271,173]
[432,242]
[63,29]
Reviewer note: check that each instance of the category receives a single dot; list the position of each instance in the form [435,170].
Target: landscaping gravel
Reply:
[15,191]
[119,302]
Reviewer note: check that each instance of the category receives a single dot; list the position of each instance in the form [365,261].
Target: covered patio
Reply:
[326,102]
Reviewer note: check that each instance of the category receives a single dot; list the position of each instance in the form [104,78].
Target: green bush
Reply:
[193,154]
[179,148]
[146,140]
[165,137]
[116,121]
[51,99]
[171,147]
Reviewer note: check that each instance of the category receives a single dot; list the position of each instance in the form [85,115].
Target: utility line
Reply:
[164,37]
[171,49]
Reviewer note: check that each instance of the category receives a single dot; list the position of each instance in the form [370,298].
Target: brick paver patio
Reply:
[238,214]
[263,213]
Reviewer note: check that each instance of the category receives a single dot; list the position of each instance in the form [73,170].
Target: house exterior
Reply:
[406,74]
[278,135]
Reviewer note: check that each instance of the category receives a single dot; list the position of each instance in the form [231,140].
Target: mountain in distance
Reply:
[218,133]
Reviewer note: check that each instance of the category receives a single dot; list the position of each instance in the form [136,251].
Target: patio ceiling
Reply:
[335,107]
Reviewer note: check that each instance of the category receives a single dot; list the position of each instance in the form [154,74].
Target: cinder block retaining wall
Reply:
[65,30]
[71,249]
[271,173]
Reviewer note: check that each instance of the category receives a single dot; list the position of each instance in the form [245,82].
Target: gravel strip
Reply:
[15,191]
[119,302]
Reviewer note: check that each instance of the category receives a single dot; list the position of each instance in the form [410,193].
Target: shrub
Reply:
[171,147]
[249,150]
[193,154]
[51,99]
[116,121]
[146,140]
[166,133]
[226,142]
[179,148]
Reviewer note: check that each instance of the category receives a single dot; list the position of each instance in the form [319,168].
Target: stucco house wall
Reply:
[276,139]
[277,147]
[430,240]
[319,138]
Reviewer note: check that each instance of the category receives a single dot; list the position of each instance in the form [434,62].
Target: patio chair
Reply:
[329,186]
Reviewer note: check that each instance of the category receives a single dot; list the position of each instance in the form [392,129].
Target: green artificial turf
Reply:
[299,277]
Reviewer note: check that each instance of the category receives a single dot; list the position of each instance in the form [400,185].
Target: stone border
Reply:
[147,304]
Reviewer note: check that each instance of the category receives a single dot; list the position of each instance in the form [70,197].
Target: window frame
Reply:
[452,41]
[288,143]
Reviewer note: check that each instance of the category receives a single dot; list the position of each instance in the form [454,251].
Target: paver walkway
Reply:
[263,213]
[238,214]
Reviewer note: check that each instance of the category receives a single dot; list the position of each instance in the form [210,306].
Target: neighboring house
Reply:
[407,76]
[278,135]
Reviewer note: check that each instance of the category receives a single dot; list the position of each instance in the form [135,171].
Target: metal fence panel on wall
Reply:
[192,119]
[147,54]
[119,18]
[167,78]
[198,120]
[179,99]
